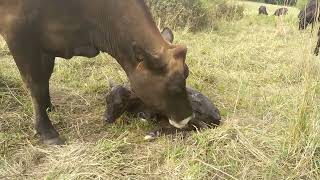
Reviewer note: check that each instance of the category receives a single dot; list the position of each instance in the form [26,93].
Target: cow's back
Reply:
[43,16]
[59,26]
[63,27]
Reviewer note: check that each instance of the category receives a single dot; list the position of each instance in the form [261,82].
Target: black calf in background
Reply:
[263,10]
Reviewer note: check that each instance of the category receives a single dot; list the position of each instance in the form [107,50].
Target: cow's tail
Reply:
[316,50]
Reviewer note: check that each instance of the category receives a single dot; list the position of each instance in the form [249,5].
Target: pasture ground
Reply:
[259,71]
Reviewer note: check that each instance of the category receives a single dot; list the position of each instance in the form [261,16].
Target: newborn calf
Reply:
[121,99]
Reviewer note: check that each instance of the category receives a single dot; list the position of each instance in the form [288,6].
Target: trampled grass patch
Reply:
[259,71]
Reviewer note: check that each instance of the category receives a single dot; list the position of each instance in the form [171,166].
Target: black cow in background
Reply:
[281,11]
[308,15]
[263,10]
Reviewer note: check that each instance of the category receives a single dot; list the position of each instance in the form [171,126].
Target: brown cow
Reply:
[37,31]
[281,11]
[263,10]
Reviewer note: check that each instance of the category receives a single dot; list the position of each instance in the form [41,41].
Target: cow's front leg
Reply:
[39,93]
[37,82]
[35,68]
[47,63]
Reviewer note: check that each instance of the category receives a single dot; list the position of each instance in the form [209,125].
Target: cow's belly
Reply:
[67,40]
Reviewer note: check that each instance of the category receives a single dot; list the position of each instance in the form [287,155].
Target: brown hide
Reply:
[37,31]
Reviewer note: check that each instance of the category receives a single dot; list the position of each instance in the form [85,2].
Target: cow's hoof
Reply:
[54,141]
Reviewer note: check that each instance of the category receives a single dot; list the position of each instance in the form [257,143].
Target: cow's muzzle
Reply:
[181,124]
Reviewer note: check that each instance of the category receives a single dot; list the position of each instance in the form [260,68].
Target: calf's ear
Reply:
[167,34]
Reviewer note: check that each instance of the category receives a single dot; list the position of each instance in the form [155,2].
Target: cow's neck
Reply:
[121,25]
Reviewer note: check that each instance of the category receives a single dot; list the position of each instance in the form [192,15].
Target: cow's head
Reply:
[159,79]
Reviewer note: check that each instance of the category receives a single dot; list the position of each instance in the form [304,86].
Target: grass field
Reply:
[259,71]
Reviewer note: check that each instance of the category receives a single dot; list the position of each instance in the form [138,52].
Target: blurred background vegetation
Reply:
[194,15]
[301,3]
[197,15]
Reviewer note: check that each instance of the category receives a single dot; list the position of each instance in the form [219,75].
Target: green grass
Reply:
[259,71]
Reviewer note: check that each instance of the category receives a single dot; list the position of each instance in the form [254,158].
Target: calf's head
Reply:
[117,101]
[159,79]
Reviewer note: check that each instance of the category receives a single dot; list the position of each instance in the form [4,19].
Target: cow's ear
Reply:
[167,34]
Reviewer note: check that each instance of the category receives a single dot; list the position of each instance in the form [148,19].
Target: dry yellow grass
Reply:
[259,71]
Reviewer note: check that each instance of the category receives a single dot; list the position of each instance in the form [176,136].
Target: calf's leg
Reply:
[165,128]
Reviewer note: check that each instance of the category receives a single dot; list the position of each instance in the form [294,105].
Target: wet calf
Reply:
[121,99]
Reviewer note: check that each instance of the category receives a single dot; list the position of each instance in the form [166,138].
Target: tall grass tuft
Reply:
[179,13]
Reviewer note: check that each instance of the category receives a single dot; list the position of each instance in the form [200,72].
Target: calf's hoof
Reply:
[152,135]
[51,108]
[53,141]
[107,121]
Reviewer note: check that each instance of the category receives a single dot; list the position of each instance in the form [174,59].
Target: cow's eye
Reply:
[139,58]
